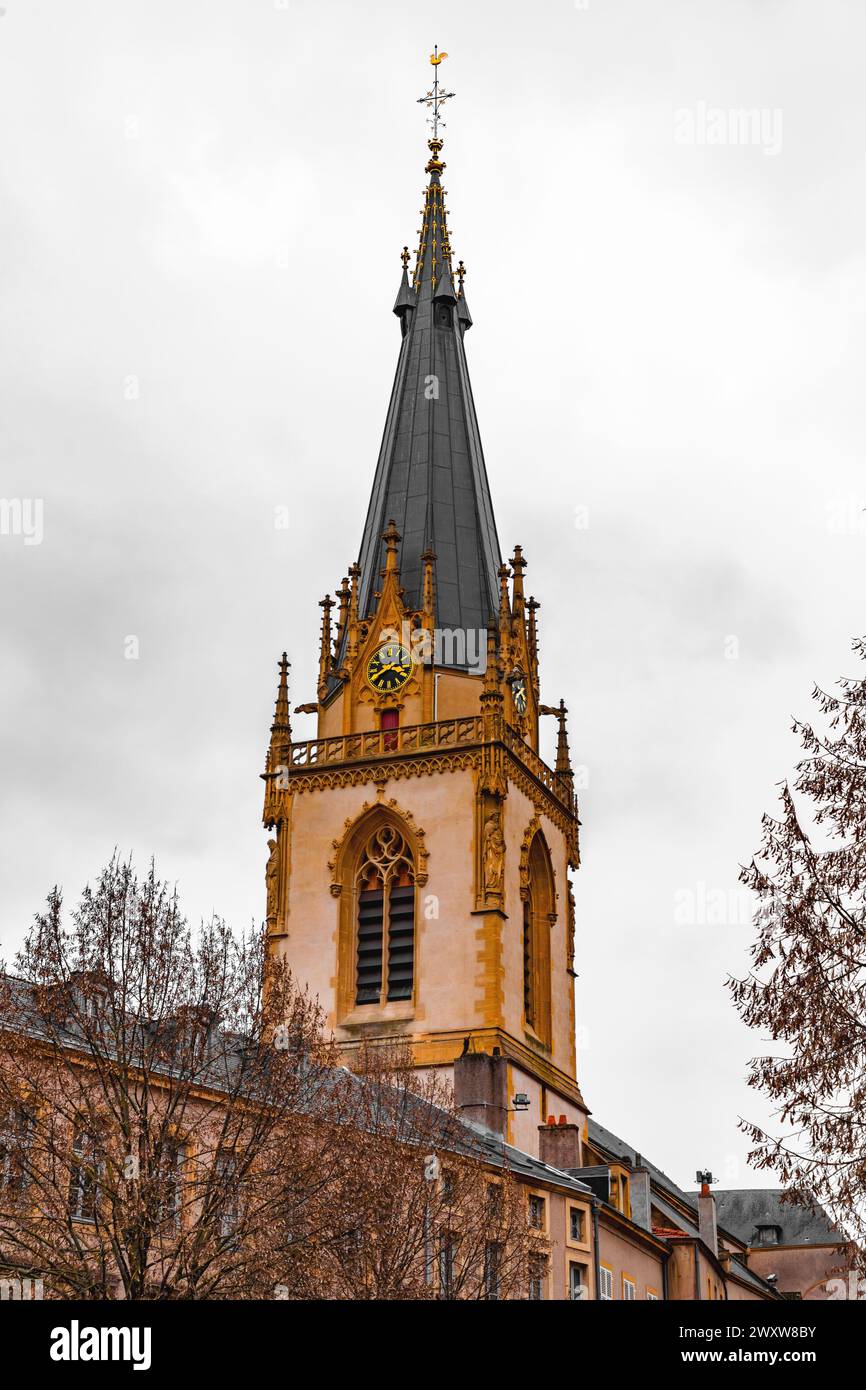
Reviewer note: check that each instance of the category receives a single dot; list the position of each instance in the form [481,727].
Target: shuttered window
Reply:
[385,919]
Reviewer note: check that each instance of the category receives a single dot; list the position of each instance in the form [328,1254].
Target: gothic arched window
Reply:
[385,897]
[539,915]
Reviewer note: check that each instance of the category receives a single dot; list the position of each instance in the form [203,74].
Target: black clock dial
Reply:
[389,667]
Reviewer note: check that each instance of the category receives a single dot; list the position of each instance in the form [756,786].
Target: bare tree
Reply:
[807,985]
[157,1101]
[428,1210]
[175,1125]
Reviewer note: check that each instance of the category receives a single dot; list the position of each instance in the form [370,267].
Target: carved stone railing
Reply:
[536,765]
[377,743]
[411,739]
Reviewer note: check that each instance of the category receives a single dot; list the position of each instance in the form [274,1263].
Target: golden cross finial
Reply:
[434,98]
[404,256]
[461,271]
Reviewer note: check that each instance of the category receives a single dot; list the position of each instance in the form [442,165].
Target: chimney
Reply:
[641,1195]
[481,1089]
[707,1213]
[559,1144]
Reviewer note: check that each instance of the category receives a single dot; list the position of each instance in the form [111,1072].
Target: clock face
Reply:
[518,692]
[389,668]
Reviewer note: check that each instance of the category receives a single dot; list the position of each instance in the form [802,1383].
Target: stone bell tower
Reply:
[420,847]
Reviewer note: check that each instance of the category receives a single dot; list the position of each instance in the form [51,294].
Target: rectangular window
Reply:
[16,1137]
[652,1296]
[492,1266]
[629,1289]
[83,1177]
[172,1182]
[446,1266]
[537,1277]
[227,1195]
[605,1284]
[578,1286]
[577,1224]
[536,1212]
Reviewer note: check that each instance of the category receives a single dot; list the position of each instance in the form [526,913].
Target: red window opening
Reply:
[390,720]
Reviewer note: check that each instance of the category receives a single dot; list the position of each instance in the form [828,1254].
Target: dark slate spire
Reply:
[431,477]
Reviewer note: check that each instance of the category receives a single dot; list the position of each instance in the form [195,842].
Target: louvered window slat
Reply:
[401,942]
[385,944]
[370,926]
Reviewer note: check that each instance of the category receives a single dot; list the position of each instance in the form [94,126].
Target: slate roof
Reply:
[431,477]
[738,1212]
[326,1090]
[742,1211]
[498,1153]
[606,1139]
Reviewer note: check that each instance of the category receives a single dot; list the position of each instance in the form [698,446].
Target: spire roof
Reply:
[430,477]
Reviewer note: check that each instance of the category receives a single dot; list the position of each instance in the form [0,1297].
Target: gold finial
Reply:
[404,256]
[434,163]
[461,271]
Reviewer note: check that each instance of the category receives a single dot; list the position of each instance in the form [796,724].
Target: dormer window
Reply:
[442,314]
[768,1235]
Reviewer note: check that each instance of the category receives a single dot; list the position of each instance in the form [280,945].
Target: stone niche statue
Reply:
[272,878]
[493,853]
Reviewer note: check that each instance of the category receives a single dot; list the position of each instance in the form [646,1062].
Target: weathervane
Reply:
[435,98]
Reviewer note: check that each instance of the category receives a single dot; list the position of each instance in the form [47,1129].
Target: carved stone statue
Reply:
[494,854]
[272,878]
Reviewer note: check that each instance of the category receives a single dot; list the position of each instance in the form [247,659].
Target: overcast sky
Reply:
[203,205]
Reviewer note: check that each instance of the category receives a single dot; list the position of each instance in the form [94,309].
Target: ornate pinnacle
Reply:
[428,594]
[281,728]
[492,698]
[518,565]
[563,757]
[405,256]
[461,273]
[326,604]
[279,753]
[342,616]
[352,643]
[532,606]
[504,605]
[391,536]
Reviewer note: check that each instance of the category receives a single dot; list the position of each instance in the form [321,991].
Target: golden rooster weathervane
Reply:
[434,98]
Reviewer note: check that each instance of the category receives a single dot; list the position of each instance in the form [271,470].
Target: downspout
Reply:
[665,1277]
[697,1273]
[596,1256]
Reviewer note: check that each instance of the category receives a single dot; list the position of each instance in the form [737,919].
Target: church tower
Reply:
[420,846]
